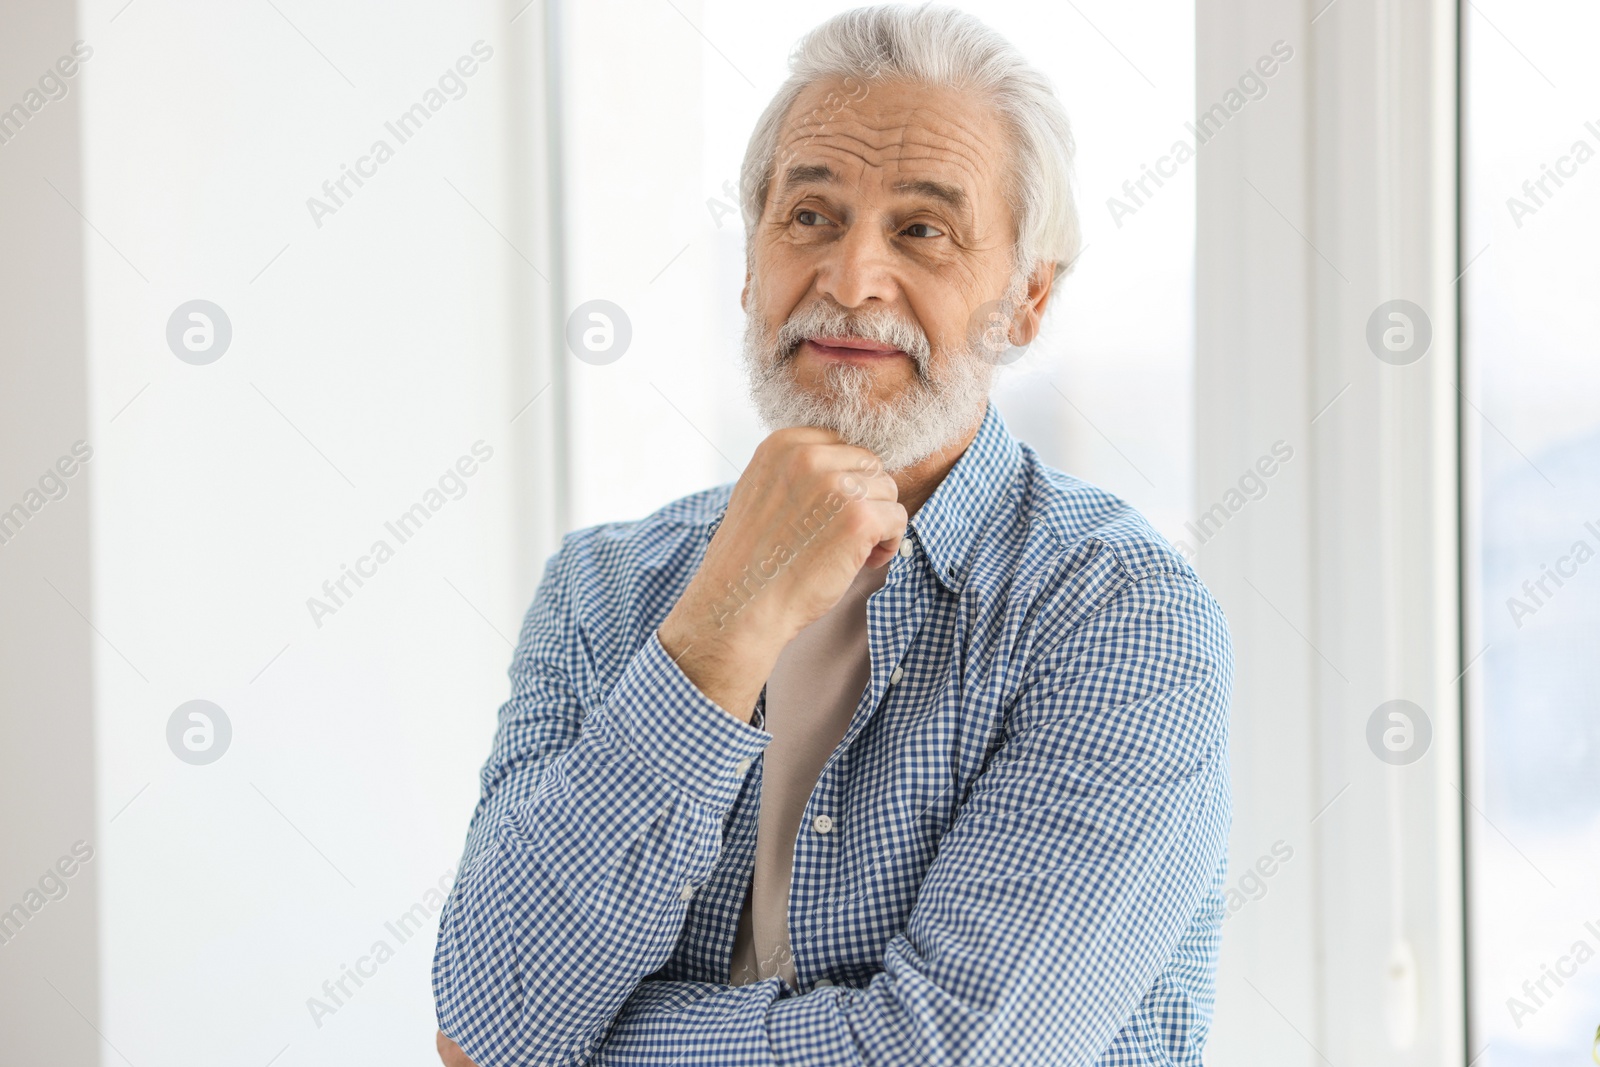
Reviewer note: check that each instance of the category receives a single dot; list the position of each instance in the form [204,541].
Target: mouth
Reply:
[851,349]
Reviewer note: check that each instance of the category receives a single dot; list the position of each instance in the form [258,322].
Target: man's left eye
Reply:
[923,226]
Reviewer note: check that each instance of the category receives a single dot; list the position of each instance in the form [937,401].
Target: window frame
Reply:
[1344,591]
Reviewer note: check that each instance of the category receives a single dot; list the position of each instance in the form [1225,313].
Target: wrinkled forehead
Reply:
[894,137]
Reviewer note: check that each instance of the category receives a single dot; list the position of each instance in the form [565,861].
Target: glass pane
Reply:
[1532,206]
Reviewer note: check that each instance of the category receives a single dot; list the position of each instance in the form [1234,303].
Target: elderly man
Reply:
[905,747]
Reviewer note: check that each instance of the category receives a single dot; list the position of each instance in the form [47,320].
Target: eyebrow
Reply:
[809,174]
[943,191]
[822,174]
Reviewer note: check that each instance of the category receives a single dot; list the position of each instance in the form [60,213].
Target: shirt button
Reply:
[822,824]
[896,675]
[906,547]
[687,892]
[821,982]
[742,766]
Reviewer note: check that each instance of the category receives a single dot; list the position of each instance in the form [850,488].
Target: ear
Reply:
[744,294]
[1025,322]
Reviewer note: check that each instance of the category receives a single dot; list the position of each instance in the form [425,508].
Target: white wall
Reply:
[368,353]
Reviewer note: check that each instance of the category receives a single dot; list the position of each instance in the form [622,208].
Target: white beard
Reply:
[902,432]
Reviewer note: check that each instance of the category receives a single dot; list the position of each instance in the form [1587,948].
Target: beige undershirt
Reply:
[811,696]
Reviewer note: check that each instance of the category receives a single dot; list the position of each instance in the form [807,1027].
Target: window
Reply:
[1532,422]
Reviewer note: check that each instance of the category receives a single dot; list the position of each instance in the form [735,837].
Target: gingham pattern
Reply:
[1026,855]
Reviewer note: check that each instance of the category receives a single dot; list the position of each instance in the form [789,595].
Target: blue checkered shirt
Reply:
[1015,854]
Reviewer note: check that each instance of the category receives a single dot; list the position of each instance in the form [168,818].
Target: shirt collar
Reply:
[946,526]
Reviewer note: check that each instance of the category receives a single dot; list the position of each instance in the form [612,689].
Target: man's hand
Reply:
[450,1053]
[805,516]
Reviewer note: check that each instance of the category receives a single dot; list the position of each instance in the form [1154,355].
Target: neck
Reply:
[918,481]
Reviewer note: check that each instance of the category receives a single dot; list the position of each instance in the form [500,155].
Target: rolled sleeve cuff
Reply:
[812,1028]
[658,716]
[694,1023]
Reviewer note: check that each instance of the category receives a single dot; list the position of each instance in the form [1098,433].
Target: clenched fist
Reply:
[805,516]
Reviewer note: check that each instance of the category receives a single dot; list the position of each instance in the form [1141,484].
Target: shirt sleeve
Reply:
[591,834]
[1085,851]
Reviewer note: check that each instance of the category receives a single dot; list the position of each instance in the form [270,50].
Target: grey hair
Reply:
[939,46]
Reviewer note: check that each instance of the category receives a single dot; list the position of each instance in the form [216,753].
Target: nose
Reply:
[857,269]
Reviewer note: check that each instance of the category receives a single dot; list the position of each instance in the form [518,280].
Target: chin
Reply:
[903,422]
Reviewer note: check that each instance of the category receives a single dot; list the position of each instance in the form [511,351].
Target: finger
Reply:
[805,435]
[450,1053]
[857,486]
[862,461]
[884,521]
[827,451]
[885,550]
[881,553]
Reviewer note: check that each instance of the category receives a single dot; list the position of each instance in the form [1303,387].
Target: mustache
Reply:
[828,319]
